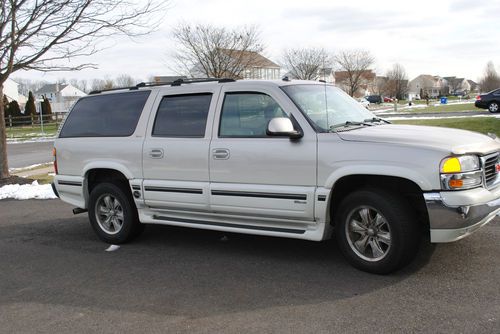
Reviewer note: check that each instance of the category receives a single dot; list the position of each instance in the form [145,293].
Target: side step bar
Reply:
[248,227]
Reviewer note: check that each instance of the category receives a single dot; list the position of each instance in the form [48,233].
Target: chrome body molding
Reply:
[452,223]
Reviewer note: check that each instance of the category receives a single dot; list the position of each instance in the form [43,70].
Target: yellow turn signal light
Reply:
[456,183]
[451,165]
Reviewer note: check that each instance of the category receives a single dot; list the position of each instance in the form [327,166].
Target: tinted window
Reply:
[182,116]
[247,114]
[107,115]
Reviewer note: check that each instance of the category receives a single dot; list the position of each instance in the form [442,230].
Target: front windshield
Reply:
[327,106]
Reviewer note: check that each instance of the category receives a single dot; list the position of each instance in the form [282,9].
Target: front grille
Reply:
[490,172]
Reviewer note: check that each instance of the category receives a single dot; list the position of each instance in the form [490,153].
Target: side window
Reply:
[105,115]
[247,114]
[182,116]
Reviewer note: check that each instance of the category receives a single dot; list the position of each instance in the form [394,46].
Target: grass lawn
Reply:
[478,124]
[27,132]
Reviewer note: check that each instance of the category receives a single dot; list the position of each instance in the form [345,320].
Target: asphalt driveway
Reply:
[55,277]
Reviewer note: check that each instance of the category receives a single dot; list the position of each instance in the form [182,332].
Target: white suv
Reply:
[292,159]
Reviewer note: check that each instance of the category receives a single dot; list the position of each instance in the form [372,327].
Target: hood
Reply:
[452,140]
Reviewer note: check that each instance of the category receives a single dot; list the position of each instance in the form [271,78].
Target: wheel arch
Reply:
[94,176]
[405,187]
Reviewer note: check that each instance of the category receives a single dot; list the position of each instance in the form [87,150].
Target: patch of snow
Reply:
[31,140]
[435,117]
[20,169]
[27,191]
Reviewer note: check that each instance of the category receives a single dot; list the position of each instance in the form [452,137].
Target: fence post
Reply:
[32,120]
[10,121]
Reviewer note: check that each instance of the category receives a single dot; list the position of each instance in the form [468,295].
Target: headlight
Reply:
[464,163]
[461,172]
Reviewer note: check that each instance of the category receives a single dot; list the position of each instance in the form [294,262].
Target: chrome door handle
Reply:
[220,154]
[156,153]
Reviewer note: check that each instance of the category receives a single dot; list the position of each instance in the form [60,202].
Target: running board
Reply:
[248,227]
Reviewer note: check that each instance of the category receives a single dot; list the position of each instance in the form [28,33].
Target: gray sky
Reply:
[440,37]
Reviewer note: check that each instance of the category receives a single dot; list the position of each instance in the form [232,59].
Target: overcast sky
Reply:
[439,37]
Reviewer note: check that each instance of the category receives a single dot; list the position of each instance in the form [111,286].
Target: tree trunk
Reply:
[4,166]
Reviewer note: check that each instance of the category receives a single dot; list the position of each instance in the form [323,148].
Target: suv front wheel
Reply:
[112,213]
[376,231]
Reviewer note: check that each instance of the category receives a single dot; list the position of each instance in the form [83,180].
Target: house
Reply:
[61,96]
[474,87]
[168,78]
[252,65]
[11,91]
[427,85]
[367,84]
[458,86]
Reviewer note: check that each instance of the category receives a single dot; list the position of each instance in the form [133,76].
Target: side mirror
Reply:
[282,127]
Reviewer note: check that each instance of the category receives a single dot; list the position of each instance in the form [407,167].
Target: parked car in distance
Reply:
[364,102]
[490,101]
[374,98]
[388,99]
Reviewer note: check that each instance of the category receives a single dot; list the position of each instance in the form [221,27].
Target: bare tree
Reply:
[124,80]
[211,51]
[354,64]
[305,63]
[397,82]
[43,34]
[80,84]
[490,79]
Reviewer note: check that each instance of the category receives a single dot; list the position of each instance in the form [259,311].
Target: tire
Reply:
[377,231]
[493,107]
[112,213]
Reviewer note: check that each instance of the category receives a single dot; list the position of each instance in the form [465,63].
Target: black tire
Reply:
[123,224]
[493,107]
[390,243]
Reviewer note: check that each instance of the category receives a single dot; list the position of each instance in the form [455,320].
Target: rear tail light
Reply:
[478,98]
[54,154]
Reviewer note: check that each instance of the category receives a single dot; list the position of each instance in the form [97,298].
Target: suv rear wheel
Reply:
[112,213]
[493,107]
[377,231]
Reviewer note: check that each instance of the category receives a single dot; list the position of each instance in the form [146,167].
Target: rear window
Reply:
[107,115]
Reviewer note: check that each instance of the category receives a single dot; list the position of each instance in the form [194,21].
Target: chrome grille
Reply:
[490,172]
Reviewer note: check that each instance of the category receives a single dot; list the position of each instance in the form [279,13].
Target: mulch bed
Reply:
[15,180]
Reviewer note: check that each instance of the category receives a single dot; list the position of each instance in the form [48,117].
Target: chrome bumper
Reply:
[452,223]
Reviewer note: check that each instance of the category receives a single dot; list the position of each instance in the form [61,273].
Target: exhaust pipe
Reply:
[79,210]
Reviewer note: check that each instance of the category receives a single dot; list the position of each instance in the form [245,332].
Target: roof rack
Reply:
[177,82]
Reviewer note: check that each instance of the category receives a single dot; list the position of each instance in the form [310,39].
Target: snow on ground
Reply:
[31,140]
[20,169]
[389,118]
[27,191]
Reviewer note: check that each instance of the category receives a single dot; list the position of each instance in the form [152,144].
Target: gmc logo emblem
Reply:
[497,167]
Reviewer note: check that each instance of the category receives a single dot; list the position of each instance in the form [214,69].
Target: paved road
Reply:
[55,277]
[27,154]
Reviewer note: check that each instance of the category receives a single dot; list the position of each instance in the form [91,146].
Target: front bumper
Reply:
[453,222]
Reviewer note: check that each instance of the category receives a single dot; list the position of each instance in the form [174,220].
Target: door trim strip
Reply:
[174,190]
[302,197]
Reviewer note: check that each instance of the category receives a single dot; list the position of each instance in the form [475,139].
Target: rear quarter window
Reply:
[106,115]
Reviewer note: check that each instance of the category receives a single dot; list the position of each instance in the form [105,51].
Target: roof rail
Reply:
[177,82]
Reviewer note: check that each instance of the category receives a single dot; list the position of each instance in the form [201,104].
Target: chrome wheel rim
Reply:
[368,233]
[109,214]
[494,107]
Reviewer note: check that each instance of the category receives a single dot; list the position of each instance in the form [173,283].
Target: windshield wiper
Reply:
[347,124]
[375,120]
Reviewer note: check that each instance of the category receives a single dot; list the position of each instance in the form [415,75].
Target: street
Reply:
[27,154]
[56,277]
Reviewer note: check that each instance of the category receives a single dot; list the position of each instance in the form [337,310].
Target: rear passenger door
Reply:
[175,153]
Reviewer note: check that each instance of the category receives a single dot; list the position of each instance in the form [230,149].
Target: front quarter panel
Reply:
[338,158]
